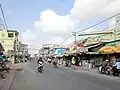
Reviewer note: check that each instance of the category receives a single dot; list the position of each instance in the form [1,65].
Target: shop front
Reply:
[111,50]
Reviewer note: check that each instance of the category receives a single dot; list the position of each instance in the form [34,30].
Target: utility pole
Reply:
[74,33]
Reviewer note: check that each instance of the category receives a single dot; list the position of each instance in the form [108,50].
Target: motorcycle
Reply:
[103,70]
[67,63]
[49,61]
[116,72]
[109,71]
[40,67]
[55,64]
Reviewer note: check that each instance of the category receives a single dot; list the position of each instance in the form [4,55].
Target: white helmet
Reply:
[106,60]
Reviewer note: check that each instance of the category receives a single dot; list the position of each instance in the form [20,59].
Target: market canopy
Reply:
[108,49]
[118,48]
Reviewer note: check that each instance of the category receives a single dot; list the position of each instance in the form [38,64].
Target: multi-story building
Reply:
[9,40]
[112,35]
[23,49]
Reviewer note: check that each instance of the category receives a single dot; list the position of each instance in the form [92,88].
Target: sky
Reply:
[52,21]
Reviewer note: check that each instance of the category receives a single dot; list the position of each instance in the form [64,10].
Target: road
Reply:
[59,79]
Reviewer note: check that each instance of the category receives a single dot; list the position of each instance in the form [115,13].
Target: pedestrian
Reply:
[73,62]
[78,61]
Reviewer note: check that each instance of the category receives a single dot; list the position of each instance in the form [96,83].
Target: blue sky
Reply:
[51,21]
[20,14]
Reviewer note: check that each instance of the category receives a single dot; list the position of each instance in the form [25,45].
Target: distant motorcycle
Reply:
[40,67]
[55,64]
[67,63]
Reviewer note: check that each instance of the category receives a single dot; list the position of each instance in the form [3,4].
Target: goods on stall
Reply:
[118,48]
[108,49]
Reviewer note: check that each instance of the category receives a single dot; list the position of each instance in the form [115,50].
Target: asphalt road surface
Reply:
[59,79]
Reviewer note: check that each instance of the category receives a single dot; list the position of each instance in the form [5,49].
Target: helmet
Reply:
[106,60]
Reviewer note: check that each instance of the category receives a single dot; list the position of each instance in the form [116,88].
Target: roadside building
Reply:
[9,40]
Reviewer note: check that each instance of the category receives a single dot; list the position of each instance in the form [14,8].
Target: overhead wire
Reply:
[105,29]
[67,38]
[98,23]
[4,26]
[93,25]
[3,17]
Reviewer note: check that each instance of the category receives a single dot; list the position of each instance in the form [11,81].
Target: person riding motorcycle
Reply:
[116,67]
[40,60]
[40,65]
[104,65]
[55,62]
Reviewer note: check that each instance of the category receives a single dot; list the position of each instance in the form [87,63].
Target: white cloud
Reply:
[55,24]
[54,27]
[28,36]
[84,9]
[112,8]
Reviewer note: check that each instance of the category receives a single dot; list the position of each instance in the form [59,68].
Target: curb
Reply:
[9,81]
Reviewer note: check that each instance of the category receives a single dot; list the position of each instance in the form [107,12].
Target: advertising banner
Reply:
[59,51]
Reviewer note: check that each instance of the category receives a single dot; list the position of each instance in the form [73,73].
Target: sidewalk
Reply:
[6,83]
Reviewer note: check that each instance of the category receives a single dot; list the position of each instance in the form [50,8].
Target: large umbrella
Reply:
[108,50]
[118,48]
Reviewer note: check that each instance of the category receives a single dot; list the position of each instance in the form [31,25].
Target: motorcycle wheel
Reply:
[39,69]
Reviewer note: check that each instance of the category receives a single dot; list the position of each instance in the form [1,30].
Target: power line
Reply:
[98,23]
[6,29]
[67,38]
[3,17]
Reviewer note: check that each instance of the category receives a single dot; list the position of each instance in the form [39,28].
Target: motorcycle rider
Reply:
[40,60]
[104,66]
[116,67]
[55,62]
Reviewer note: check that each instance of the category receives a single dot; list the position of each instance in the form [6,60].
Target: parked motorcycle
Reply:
[40,67]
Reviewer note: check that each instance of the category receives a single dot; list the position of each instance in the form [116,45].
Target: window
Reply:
[2,41]
[11,35]
[2,34]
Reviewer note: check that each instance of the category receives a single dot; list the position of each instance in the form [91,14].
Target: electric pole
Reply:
[74,34]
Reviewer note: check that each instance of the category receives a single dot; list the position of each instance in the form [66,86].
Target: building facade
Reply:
[9,40]
[115,35]
[23,49]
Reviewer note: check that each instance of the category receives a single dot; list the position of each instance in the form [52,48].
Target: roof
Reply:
[11,31]
[93,44]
